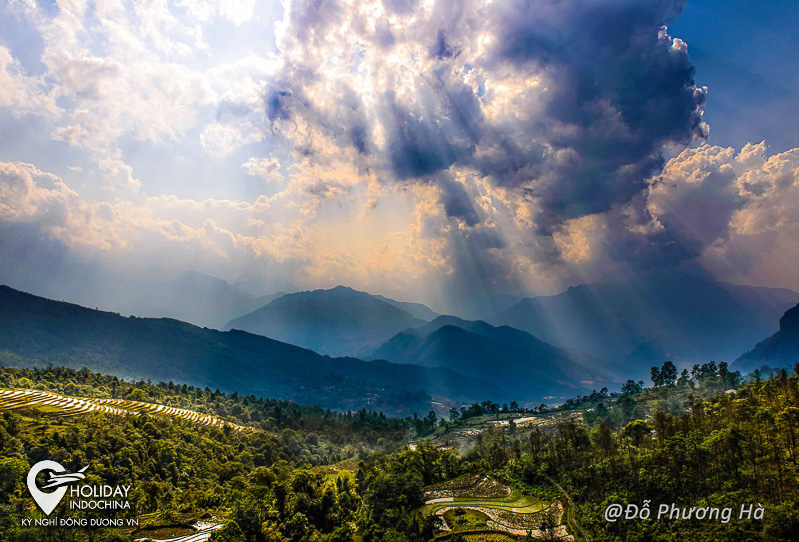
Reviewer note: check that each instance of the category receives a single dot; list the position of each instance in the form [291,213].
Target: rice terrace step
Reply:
[66,405]
[479,503]
[203,534]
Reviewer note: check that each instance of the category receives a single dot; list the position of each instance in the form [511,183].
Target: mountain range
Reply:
[39,331]
[338,322]
[196,298]
[522,364]
[302,346]
[644,320]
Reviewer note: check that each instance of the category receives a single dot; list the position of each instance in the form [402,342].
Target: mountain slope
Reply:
[203,300]
[192,297]
[515,360]
[417,310]
[38,331]
[340,321]
[644,320]
[780,349]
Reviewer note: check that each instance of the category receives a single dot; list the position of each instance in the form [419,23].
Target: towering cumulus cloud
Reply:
[567,104]
[467,147]
[554,110]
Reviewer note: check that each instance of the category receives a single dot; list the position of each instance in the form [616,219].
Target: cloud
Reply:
[456,201]
[568,104]
[25,94]
[545,112]
[476,147]
[28,195]
[221,139]
[757,241]
[732,212]
[267,168]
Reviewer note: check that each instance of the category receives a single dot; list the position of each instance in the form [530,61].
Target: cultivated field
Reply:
[463,435]
[58,404]
[201,532]
[475,503]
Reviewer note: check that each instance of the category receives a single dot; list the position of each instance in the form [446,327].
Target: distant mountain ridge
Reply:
[338,322]
[779,350]
[200,299]
[644,320]
[38,331]
[521,364]
[193,297]
[417,310]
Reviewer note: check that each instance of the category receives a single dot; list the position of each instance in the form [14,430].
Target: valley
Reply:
[412,442]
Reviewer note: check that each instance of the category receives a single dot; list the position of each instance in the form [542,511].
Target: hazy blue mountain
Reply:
[417,310]
[481,305]
[192,297]
[475,326]
[38,331]
[338,322]
[781,349]
[644,320]
[525,367]
[208,301]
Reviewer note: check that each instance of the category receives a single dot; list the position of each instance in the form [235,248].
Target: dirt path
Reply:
[570,512]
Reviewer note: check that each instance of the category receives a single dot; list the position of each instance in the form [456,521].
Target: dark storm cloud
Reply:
[277,103]
[442,49]
[647,250]
[347,122]
[619,89]
[568,105]
[456,201]
[419,146]
[622,89]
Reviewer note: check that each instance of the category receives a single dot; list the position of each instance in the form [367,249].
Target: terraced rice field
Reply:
[480,502]
[56,403]
[203,533]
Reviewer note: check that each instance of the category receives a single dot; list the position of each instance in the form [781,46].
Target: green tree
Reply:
[654,375]
[668,374]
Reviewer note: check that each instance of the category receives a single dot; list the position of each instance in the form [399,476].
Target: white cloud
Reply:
[26,95]
[221,139]
[267,168]
[733,212]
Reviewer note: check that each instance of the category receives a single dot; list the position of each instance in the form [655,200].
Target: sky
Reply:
[449,152]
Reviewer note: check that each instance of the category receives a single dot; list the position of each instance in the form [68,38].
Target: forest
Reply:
[693,444]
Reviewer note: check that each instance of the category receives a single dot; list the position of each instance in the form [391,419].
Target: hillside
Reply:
[56,403]
[38,331]
[526,368]
[644,320]
[188,472]
[338,322]
[417,310]
[781,349]
[193,297]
